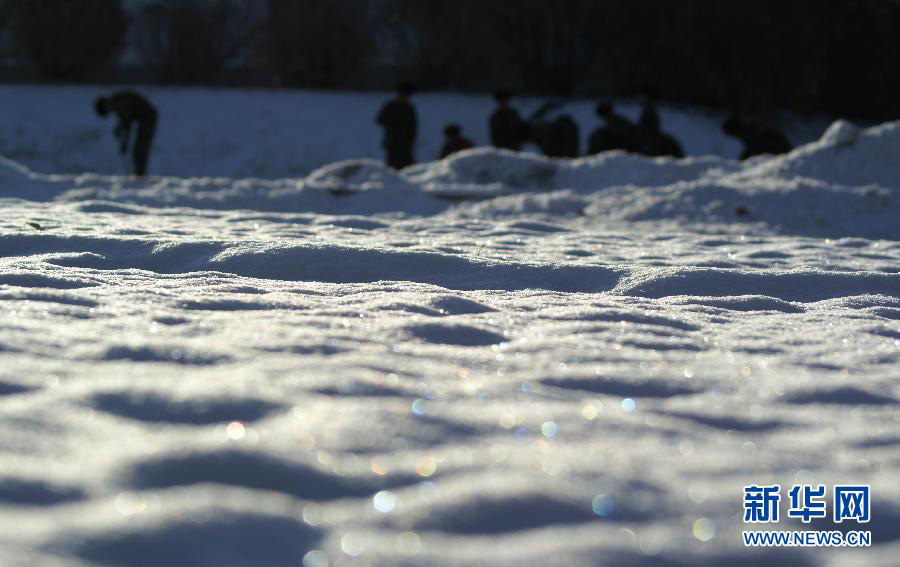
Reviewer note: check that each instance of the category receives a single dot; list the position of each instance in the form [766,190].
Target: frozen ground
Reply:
[495,359]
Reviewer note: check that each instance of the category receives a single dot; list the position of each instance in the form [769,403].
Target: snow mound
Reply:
[352,176]
[844,155]
[489,171]
[841,133]
[798,206]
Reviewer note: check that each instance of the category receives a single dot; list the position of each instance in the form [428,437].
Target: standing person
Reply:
[131,107]
[649,121]
[398,120]
[508,130]
[454,141]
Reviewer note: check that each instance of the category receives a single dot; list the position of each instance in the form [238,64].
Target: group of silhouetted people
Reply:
[556,138]
[645,137]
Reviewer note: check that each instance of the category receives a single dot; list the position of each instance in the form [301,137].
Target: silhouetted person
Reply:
[649,120]
[508,130]
[454,141]
[131,107]
[618,133]
[568,136]
[654,142]
[758,138]
[558,138]
[661,144]
[398,120]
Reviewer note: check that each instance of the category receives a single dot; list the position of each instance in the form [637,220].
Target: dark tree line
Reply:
[837,56]
[66,40]
[539,46]
[189,41]
[314,43]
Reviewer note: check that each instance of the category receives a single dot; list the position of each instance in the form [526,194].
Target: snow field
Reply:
[493,359]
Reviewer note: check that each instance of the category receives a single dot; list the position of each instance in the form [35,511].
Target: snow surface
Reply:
[492,359]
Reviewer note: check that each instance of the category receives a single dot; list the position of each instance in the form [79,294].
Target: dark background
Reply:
[837,57]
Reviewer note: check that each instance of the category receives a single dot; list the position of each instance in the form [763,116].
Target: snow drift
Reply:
[842,185]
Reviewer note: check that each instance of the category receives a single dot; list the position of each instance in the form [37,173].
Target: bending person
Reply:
[131,107]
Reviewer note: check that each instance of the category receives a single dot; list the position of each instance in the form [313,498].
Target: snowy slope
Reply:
[493,359]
